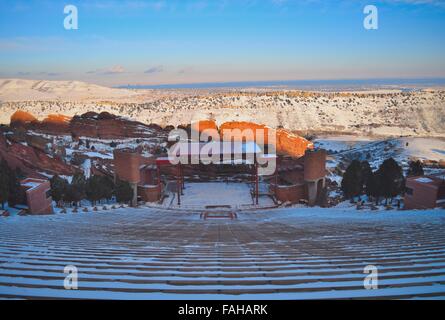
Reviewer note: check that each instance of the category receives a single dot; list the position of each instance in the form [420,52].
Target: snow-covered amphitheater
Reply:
[293,253]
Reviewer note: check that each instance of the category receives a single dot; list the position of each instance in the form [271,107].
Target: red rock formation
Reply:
[56,123]
[22,117]
[108,127]
[57,118]
[31,160]
[91,124]
[286,142]
[292,144]
[202,125]
[242,130]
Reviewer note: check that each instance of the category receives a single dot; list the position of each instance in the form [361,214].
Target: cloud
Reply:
[51,74]
[185,70]
[42,73]
[110,71]
[156,69]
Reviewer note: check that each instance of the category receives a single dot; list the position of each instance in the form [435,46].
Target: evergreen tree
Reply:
[124,192]
[68,195]
[4,183]
[372,186]
[92,189]
[59,188]
[391,178]
[78,187]
[106,187]
[415,169]
[98,188]
[366,172]
[16,193]
[352,183]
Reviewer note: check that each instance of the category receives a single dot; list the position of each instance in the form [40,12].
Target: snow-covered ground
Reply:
[341,143]
[345,148]
[388,114]
[295,253]
[219,194]
[424,148]
[402,148]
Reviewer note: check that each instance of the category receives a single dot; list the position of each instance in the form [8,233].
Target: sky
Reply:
[137,42]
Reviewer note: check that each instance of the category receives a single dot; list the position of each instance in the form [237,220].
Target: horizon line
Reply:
[345,81]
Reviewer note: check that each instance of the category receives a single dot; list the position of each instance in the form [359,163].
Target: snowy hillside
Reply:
[31,90]
[402,149]
[388,114]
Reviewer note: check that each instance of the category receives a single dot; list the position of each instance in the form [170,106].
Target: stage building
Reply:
[293,179]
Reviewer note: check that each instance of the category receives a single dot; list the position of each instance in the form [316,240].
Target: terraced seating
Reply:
[152,254]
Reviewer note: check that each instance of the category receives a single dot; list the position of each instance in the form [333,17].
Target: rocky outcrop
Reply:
[91,124]
[31,160]
[20,117]
[285,142]
[108,126]
[202,125]
[292,144]
[52,124]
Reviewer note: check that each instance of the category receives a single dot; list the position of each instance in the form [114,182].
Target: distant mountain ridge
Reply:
[28,90]
[381,113]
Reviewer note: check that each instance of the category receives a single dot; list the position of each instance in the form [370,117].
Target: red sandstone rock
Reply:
[31,160]
[57,118]
[91,124]
[286,142]
[22,117]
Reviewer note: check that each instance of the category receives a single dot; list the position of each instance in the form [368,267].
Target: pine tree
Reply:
[373,186]
[391,178]
[59,188]
[16,193]
[98,188]
[78,187]
[68,195]
[352,183]
[107,187]
[92,189]
[124,192]
[415,169]
[366,172]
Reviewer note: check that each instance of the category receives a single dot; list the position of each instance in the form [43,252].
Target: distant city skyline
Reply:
[155,42]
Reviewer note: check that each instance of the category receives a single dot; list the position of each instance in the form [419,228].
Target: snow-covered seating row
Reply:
[278,254]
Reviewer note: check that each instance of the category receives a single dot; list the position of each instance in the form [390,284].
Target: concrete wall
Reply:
[314,165]
[424,195]
[37,201]
[149,193]
[292,193]
[127,165]
[148,176]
